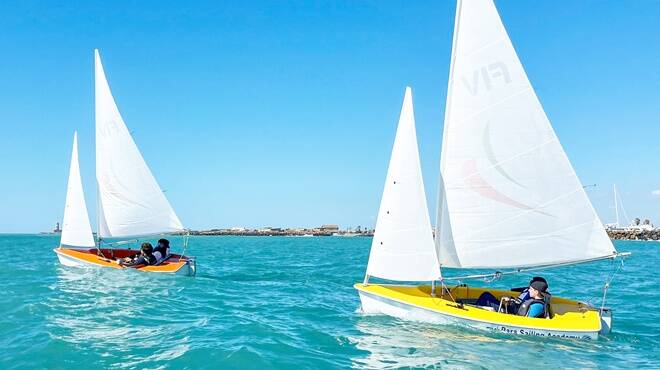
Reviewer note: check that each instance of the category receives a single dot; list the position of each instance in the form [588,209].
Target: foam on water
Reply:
[286,303]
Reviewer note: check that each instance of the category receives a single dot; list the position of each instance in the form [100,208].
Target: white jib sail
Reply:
[402,248]
[76,230]
[130,201]
[513,198]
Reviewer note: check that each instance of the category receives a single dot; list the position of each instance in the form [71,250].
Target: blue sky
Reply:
[284,113]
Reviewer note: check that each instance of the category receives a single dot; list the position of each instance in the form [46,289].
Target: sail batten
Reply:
[402,248]
[76,229]
[130,201]
[509,196]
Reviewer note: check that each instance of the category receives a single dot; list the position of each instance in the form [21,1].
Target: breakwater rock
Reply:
[634,234]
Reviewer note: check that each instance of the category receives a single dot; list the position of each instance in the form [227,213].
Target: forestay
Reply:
[402,247]
[76,230]
[130,201]
[510,197]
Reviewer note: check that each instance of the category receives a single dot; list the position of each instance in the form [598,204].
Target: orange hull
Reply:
[176,264]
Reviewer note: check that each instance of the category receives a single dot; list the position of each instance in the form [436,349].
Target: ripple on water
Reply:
[286,303]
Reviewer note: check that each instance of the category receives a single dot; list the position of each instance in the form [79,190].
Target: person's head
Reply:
[163,243]
[147,249]
[537,278]
[537,289]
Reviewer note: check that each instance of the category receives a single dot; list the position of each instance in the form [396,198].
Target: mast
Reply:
[443,237]
[616,208]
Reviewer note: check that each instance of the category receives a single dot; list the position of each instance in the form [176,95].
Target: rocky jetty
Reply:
[626,234]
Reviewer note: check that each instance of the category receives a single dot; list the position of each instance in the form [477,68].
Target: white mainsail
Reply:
[402,248]
[510,196]
[130,201]
[76,230]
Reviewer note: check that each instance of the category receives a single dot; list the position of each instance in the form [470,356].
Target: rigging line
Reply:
[185,244]
[122,242]
[450,82]
[607,285]
[625,215]
[446,289]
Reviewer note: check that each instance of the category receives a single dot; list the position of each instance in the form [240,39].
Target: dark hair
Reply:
[164,242]
[538,278]
[147,248]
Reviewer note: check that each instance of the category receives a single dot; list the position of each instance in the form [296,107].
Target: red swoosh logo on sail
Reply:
[479,185]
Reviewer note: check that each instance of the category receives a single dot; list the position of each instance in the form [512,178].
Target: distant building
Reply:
[57,229]
[329,228]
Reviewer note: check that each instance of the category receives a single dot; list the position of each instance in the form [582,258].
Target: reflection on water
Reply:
[390,343]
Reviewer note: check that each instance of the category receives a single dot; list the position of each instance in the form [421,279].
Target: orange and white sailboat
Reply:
[130,202]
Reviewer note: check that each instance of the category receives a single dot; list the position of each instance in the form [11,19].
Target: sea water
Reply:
[288,303]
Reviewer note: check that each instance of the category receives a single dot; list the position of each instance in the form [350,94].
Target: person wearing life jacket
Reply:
[146,257]
[162,250]
[510,304]
[513,304]
[536,305]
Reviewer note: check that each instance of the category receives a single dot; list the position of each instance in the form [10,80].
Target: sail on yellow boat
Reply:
[130,202]
[508,198]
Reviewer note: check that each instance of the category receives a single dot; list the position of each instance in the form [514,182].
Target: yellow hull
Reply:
[571,319]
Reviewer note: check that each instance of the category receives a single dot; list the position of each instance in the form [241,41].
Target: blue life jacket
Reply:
[524,295]
[524,307]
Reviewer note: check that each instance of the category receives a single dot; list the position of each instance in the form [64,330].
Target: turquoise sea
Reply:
[287,303]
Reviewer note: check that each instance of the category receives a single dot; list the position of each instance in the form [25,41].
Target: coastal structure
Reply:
[637,230]
[324,230]
[329,228]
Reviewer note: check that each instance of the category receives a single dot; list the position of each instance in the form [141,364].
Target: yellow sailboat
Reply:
[509,200]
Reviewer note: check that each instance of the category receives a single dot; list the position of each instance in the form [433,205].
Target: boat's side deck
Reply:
[108,259]
[568,314]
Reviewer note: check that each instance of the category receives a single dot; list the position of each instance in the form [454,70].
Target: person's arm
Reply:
[535,310]
[138,261]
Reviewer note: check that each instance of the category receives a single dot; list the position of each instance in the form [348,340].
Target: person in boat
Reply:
[536,305]
[162,250]
[145,257]
[524,292]
[510,304]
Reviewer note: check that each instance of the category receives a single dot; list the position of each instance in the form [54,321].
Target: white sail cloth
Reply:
[402,247]
[76,230]
[510,197]
[130,201]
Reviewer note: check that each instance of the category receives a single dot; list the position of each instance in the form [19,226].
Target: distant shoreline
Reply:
[323,231]
[617,234]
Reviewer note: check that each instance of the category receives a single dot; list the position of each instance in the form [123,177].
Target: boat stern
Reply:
[605,321]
